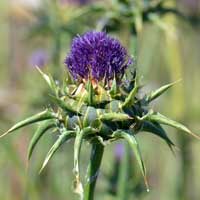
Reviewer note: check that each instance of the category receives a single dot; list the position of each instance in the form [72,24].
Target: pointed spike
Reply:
[129,101]
[136,150]
[33,119]
[45,126]
[155,94]
[157,117]
[62,138]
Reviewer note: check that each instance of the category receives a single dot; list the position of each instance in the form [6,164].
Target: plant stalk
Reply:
[93,170]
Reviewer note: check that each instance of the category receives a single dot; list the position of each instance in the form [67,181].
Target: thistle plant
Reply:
[98,102]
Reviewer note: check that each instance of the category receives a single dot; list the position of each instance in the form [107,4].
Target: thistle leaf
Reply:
[155,94]
[114,117]
[129,101]
[33,119]
[64,105]
[157,117]
[136,150]
[156,129]
[66,135]
[45,126]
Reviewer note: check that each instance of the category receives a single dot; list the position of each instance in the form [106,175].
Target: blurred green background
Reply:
[166,44]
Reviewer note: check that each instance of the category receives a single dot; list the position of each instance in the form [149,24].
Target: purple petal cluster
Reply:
[97,56]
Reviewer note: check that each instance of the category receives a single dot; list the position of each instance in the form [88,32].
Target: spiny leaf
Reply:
[114,117]
[129,101]
[49,80]
[33,119]
[157,117]
[136,150]
[155,94]
[64,105]
[156,129]
[45,126]
[66,135]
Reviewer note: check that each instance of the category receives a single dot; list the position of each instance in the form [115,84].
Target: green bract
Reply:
[99,114]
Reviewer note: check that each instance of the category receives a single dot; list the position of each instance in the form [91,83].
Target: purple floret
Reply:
[97,56]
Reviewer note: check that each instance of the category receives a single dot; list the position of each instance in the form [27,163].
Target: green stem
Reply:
[93,170]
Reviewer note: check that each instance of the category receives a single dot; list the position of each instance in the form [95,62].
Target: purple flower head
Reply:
[97,56]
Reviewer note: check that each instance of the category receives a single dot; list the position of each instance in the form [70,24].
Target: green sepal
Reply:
[90,90]
[130,138]
[157,117]
[63,137]
[33,119]
[129,101]
[114,117]
[155,94]
[114,88]
[65,105]
[45,126]
[157,129]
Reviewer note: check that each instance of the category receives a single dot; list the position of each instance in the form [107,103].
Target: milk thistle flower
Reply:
[97,56]
[87,111]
